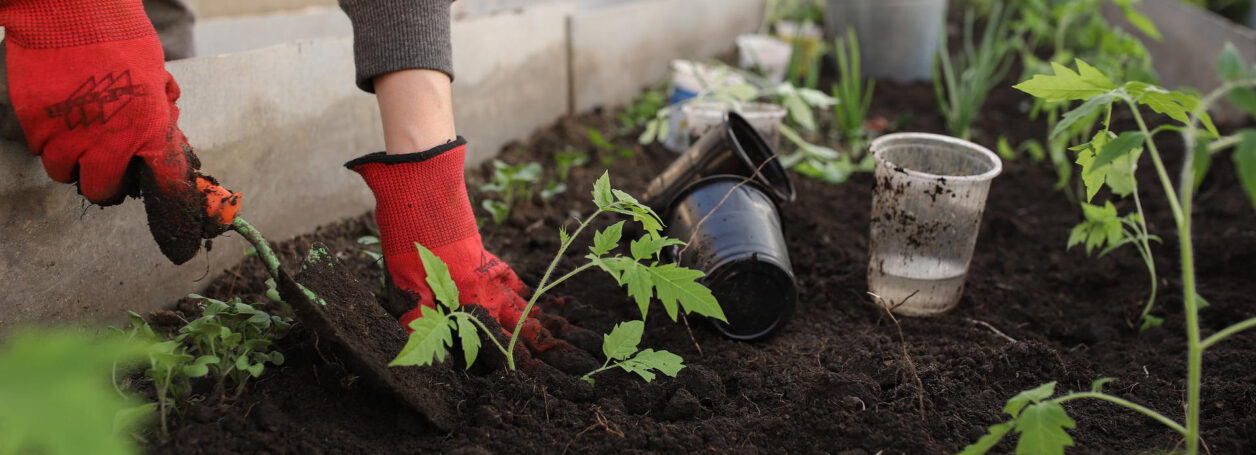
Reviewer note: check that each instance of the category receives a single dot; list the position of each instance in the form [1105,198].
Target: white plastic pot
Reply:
[765,55]
[690,78]
[702,116]
[805,36]
[898,39]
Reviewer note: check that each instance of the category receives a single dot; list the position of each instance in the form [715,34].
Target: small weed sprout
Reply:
[568,159]
[513,184]
[676,288]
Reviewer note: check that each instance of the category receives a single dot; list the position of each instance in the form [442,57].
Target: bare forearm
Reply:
[416,109]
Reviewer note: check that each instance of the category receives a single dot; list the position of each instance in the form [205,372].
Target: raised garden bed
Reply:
[835,379]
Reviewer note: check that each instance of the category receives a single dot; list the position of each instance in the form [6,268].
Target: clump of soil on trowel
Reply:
[365,338]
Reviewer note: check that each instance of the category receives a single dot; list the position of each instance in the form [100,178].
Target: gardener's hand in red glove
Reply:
[89,87]
[422,198]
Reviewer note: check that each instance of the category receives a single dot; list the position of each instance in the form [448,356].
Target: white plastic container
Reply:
[926,210]
[765,55]
[689,79]
[898,39]
[701,116]
[806,36]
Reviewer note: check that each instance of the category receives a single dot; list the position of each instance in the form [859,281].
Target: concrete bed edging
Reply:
[277,123]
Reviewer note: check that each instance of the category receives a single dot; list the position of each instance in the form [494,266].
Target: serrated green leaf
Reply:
[430,337]
[679,285]
[640,284]
[623,340]
[1042,427]
[992,437]
[1120,178]
[438,278]
[1097,385]
[200,367]
[1092,177]
[648,360]
[648,247]
[607,239]
[1118,147]
[469,337]
[1245,162]
[1084,111]
[1036,394]
[602,191]
[1066,85]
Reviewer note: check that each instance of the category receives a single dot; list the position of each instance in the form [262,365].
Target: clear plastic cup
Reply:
[701,116]
[765,54]
[926,210]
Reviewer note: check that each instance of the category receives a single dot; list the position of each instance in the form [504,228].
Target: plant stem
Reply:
[254,237]
[565,277]
[1226,332]
[487,332]
[541,286]
[1128,404]
[1145,251]
[1181,215]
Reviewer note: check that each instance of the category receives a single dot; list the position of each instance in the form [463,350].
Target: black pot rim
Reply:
[753,183]
[786,278]
[773,176]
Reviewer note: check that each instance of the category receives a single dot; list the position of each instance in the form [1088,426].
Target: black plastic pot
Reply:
[734,149]
[738,243]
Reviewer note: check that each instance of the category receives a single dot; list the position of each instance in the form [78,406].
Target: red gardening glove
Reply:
[89,87]
[422,198]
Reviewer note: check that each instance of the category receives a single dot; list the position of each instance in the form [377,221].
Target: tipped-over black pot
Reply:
[734,149]
[734,235]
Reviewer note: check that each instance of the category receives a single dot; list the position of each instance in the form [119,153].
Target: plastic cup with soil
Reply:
[704,116]
[735,148]
[765,55]
[926,210]
[733,234]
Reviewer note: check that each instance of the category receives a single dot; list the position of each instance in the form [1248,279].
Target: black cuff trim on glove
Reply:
[417,157]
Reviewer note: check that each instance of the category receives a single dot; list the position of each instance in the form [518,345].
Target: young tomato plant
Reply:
[645,278]
[236,339]
[1037,418]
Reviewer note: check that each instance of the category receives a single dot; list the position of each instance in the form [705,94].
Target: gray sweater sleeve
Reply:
[393,35]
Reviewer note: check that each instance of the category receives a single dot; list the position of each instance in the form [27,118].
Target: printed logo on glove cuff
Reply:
[96,101]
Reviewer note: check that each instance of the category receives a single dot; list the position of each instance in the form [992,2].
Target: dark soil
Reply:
[835,379]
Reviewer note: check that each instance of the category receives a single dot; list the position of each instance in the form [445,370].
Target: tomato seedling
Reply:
[1038,419]
[642,273]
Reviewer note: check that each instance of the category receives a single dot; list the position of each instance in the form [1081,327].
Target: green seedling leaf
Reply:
[607,239]
[1245,162]
[1138,20]
[1118,147]
[438,278]
[1176,104]
[200,367]
[1036,394]
[1097,385]
[1150,322]
[679,285]
[1066,85]
[602,191]
[648,247]
[1042,427]
[1230,66]
[469,337]
[1102,226]
[992,437]
[622,342]
[646,362]
[432,334]
[1086,110]
[800,112]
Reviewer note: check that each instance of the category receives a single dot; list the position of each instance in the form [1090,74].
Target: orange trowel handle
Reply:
[220,203]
